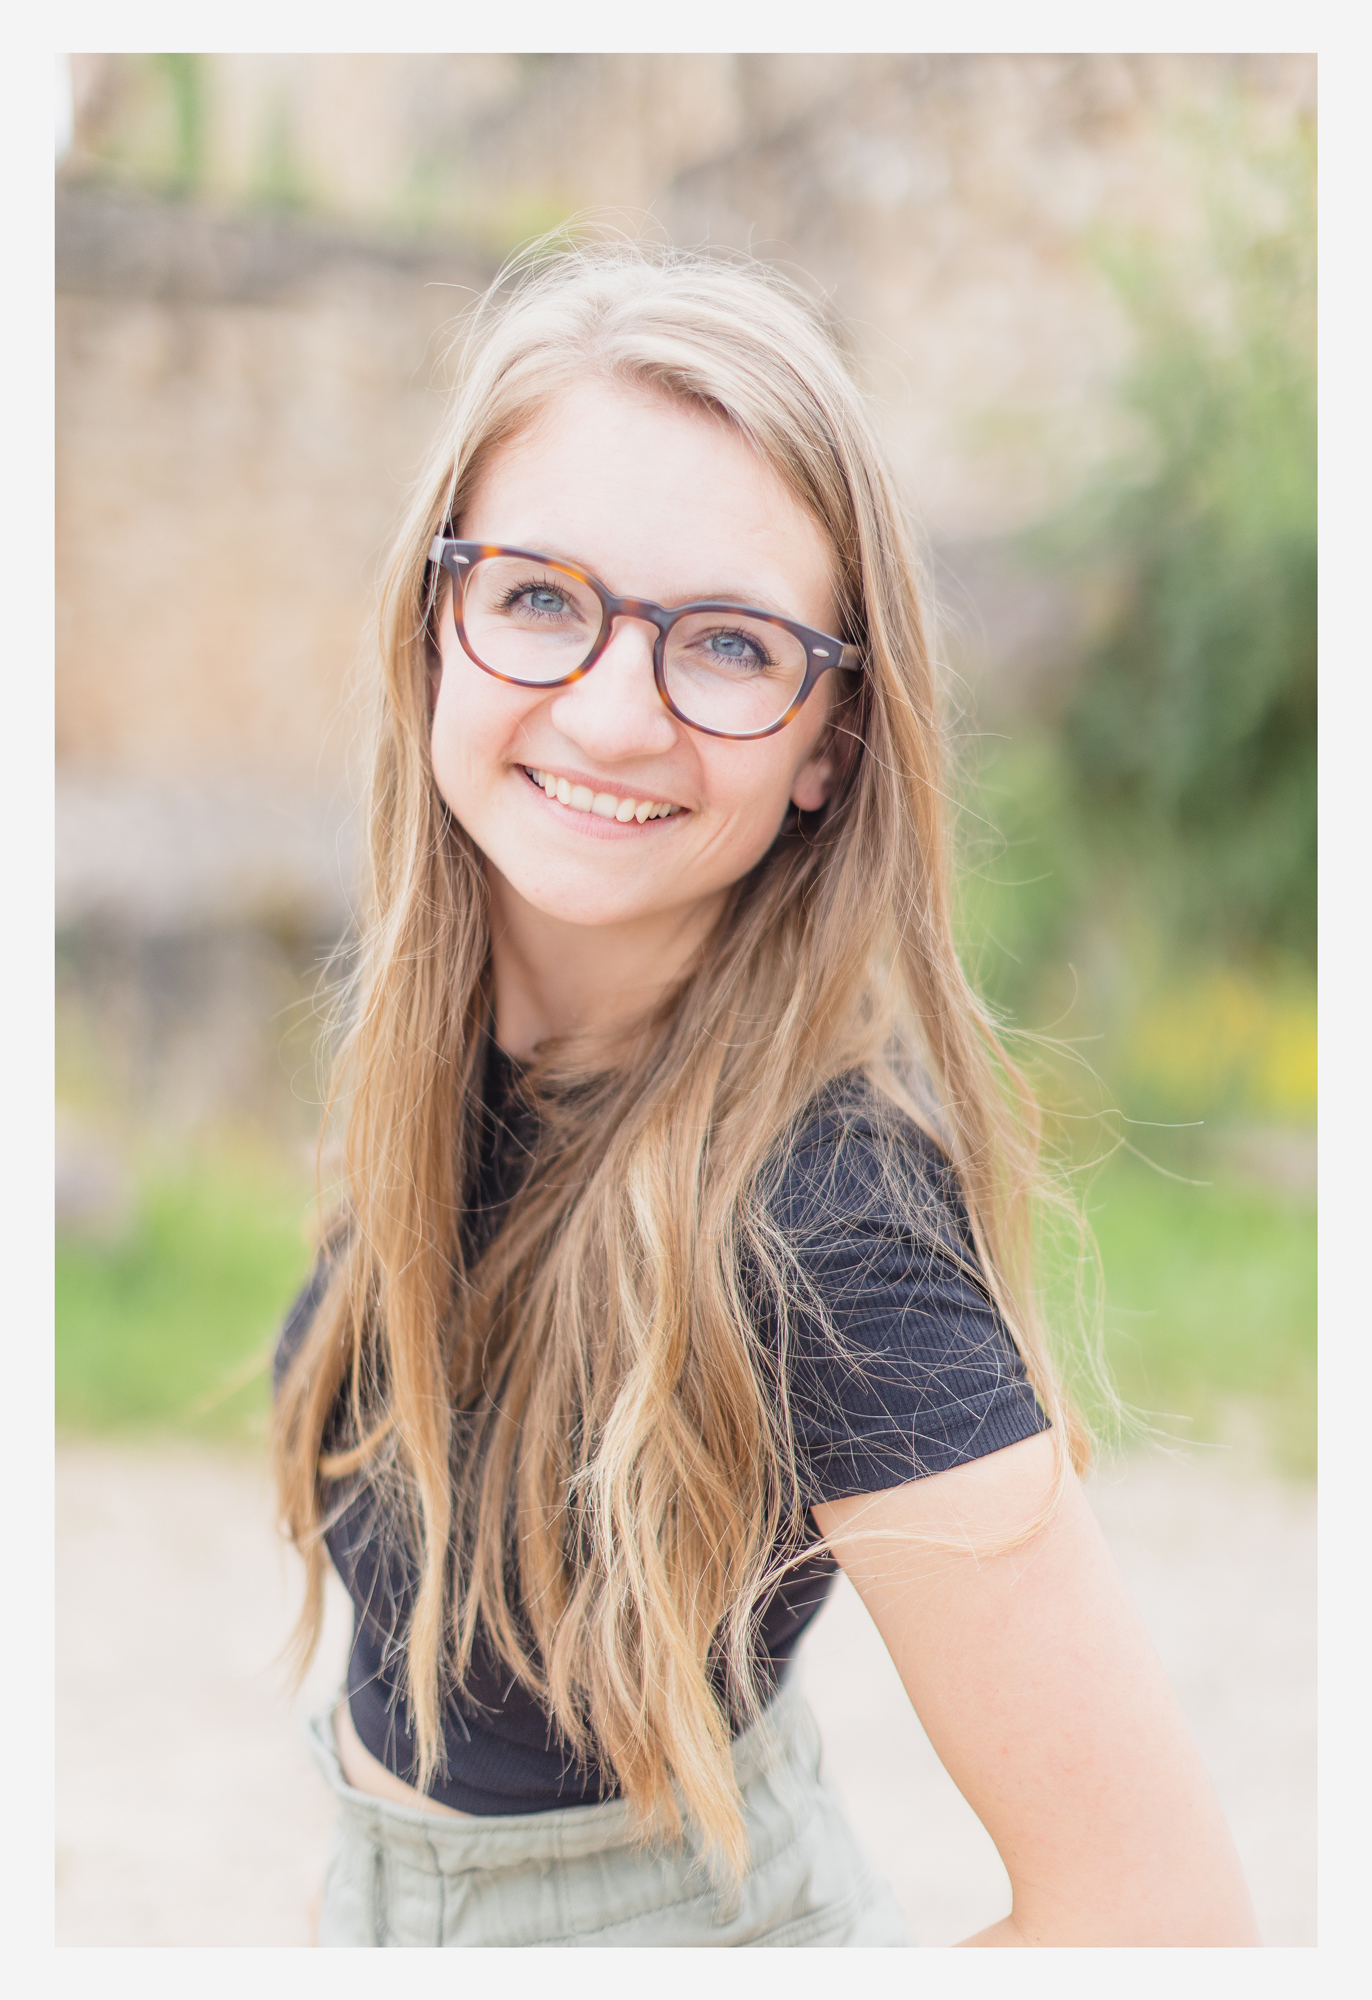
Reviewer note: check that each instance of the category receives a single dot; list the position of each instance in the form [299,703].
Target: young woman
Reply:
[684,1252]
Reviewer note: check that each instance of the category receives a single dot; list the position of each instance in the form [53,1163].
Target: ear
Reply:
[830,764]
[814,782]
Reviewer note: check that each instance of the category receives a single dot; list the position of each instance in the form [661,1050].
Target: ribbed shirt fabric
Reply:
[922,1375]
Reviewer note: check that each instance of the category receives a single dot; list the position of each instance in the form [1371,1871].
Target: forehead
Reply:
[659,498]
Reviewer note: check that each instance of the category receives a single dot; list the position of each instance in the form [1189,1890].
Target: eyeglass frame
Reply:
[823,651]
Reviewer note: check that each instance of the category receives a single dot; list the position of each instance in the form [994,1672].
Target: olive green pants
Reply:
[580,1876]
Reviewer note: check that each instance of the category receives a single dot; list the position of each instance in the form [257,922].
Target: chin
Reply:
[591,911]
[593,904]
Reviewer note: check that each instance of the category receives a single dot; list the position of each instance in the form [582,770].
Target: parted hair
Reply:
[582,1434]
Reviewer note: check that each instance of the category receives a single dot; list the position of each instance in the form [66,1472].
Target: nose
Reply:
[615,711]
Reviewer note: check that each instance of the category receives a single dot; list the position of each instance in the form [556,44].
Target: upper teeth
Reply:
[582,799]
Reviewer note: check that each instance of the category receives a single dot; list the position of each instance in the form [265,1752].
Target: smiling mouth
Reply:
[605,805]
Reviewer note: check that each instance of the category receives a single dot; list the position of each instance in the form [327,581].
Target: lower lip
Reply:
[593,825]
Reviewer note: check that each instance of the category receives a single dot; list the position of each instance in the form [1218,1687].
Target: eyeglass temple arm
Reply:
[441,543]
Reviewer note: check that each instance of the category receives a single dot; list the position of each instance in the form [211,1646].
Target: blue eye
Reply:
[542,600]
[736,649]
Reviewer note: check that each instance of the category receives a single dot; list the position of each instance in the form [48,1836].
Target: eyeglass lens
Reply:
[536,623]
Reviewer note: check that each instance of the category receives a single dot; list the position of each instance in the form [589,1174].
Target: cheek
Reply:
[751,786]
[444,709]
[472,712]
[466,731]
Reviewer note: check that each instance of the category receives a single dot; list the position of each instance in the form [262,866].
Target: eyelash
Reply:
[761,657]
[518,590]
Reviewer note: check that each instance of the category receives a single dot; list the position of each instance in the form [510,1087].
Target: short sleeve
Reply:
[923,1374]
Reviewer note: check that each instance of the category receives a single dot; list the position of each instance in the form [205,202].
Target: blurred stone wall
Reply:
[241,403]
[240,407]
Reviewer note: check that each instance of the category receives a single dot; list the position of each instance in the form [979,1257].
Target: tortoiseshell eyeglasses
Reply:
[722,668]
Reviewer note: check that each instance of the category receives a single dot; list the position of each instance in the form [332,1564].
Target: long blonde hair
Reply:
[594,1395]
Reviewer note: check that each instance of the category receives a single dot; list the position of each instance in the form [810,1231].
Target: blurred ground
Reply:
[189,1813]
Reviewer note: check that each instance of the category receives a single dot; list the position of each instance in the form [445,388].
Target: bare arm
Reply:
[1041,1692]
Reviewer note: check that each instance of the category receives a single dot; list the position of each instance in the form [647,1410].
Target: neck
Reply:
[554,978]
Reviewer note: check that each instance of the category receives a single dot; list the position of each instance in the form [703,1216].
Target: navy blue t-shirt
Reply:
[923,1376]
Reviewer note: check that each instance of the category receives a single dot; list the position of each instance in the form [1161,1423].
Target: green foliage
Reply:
[156,138]
[184,80]
[174,1325]
[1027,869]
[278,179]
[1191,734]
[1068,936]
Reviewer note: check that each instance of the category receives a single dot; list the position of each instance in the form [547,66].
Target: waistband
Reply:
[784,1728]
